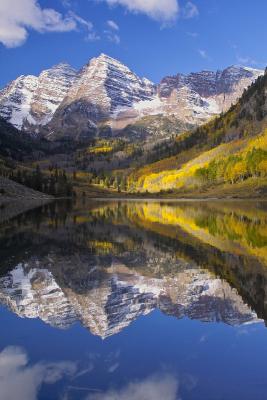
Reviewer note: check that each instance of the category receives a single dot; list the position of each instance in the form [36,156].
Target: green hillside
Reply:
[228,152]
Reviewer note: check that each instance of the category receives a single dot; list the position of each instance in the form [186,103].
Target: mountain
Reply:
[198,96]
[15,146]
[109,305]
[63,103]
[30,102]
[105,87]
[115,261]
[225,157]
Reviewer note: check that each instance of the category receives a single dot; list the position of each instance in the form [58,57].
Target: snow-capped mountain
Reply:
[53,86]
[200,95]
[30,102]
[109,85]
[64,103]
[106,306]
[104,86]
[16,98]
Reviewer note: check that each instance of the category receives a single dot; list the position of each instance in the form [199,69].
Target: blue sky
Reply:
[154,38]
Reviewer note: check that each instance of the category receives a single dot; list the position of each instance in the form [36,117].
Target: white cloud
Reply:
[18,17]
[18,380]
[113,368]
[190,10]
[192,34]
[92,37]
[112,37]
[247,61]
[113,25]
[203,339]
[156,387]
[66,3]
[81,21]
[203,54]
[160,10]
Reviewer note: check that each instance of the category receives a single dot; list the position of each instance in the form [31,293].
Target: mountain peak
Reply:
[61,68]
[108,60]
[238,68]
[62,65]
[106,57]
[106,89]
[103,59]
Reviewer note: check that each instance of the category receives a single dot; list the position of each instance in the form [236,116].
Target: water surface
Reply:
[134,301]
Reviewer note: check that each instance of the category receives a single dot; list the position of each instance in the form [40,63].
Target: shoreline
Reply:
[171,199]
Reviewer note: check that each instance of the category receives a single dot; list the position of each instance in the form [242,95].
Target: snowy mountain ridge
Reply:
[105,91]
[31,101]
[108,306]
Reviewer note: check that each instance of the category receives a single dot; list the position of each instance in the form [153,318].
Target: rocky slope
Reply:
[106,306]
[29,102]
[104,87]
[224,157]
[64,103]
[200,95]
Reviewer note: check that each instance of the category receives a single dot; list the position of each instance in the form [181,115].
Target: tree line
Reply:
[55,182]
[235,168]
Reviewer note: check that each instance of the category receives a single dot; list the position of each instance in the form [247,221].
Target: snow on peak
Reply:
[31,100]
[107,89]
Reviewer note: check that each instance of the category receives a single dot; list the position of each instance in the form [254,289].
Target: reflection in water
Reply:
[107,265]
[19,380]
[71,275]
[156,387]
[109,304]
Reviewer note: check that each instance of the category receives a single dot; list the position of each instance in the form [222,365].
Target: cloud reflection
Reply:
[156,387]
[19,380]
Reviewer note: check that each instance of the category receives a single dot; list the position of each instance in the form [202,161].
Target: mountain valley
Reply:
[104,127]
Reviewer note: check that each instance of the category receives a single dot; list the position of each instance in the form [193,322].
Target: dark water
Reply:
[134,301]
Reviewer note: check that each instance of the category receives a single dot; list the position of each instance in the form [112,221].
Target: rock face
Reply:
[64,103]
[104,87]
[53,86]
[16,98]
[200,95]
[106,306]
[30,102]
[37,295]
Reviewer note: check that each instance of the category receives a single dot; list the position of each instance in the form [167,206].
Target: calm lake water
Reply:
[134,301]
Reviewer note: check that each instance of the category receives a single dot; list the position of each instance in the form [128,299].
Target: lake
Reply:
[134,300]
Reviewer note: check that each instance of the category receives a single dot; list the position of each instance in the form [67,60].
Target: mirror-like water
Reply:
[134,301]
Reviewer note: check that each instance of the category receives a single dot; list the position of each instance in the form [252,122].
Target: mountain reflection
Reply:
[106,263]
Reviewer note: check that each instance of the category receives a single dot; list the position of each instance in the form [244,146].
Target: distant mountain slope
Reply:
[65,104]
[14,144]
[153,127]
[230,150]
[196,97]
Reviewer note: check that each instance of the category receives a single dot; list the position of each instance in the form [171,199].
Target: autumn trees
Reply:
[235,167]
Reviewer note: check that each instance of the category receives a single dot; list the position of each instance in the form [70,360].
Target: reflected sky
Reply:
[19,380]
[134,300]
